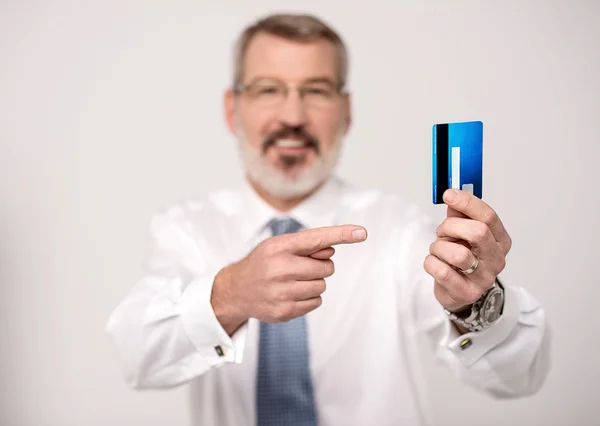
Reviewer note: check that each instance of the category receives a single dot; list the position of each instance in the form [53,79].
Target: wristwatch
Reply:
[484,312]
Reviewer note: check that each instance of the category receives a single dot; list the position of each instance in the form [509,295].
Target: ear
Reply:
[229,109]
[347,101]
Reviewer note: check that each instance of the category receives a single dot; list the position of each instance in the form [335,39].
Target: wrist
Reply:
[223,301]
[461,313]
[483,313]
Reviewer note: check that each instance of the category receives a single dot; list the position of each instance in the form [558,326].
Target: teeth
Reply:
[290,143]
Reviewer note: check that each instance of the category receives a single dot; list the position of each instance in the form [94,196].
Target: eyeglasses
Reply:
[271,92]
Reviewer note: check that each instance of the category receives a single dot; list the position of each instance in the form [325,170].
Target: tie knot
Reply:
[286,225]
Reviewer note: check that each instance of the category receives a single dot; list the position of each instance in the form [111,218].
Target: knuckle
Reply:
[285,292]
[440,229]
[466,202]
[489,216]
[328,268]
[274,269]
[502,264]
[315,242]
[343,236]
[270,247]
[480,232]
[463,256]
[508,245]
[315,303]
[432,247]
[277,294]
[428,264]
[272,312]
[283,312]
[443,272]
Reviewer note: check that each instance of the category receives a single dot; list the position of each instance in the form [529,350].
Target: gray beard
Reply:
[276,183]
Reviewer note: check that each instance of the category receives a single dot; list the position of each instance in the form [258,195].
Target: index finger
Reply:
[475,208]
[310,241]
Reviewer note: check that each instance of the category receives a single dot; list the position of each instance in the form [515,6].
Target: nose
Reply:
[293,112]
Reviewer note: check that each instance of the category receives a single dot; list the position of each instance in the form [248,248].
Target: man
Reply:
[273,303]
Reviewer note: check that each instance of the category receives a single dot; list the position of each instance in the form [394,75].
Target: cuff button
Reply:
[466,343]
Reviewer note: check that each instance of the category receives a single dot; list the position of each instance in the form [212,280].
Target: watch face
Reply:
[491,309]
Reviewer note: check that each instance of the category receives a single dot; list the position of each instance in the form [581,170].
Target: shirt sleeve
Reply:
[165,331]
[509,359]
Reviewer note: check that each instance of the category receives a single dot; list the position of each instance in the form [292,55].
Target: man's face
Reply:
[289,117]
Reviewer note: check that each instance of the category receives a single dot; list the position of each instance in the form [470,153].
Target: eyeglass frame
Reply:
[338,89]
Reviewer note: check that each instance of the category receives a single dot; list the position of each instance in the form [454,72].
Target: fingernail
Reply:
[359,234]
[450,196]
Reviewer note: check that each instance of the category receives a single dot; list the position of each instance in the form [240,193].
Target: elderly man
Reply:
[275,305]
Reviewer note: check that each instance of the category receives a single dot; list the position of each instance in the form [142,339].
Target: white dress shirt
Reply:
[365,362]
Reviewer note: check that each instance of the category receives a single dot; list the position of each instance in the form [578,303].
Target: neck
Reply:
[281,204]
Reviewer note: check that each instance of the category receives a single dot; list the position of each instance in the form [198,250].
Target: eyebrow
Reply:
[321,79]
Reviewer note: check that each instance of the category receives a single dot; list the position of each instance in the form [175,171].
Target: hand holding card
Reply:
[471,245]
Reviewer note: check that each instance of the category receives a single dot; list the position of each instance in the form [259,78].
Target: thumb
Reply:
[455,213]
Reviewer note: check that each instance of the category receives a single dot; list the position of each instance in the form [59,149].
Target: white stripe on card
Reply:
[456,167]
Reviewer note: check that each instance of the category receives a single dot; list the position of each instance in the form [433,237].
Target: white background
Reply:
[110,110]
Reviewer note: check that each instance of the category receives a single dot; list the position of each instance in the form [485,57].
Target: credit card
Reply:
[457,158]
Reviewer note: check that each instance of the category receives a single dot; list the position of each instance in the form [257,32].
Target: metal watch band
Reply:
[473,321]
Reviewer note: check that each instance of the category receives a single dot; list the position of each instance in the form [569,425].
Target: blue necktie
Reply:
[284,394]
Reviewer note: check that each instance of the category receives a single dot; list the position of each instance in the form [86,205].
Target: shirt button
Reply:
[219,350]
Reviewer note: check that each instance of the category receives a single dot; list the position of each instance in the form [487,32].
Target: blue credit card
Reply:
[457,158]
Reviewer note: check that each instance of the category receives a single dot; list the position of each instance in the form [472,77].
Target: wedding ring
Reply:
[472,268]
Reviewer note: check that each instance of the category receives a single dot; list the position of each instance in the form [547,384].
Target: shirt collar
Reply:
[316,211]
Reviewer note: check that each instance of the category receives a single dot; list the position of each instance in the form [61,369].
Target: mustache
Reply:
[291,132]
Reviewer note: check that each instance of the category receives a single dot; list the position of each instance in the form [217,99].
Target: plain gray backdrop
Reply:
[110,110]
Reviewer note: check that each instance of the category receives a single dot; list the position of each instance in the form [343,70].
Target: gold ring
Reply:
[472,268]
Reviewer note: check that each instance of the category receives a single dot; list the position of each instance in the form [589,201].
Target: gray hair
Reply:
[297,27]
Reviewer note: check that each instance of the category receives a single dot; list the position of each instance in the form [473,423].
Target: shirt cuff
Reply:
[483,341]
[204,329]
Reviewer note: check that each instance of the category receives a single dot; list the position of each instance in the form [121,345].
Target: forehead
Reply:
[271,56]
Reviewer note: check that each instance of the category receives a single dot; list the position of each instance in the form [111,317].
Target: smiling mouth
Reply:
[292,147]
[291,152]
[291,142]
